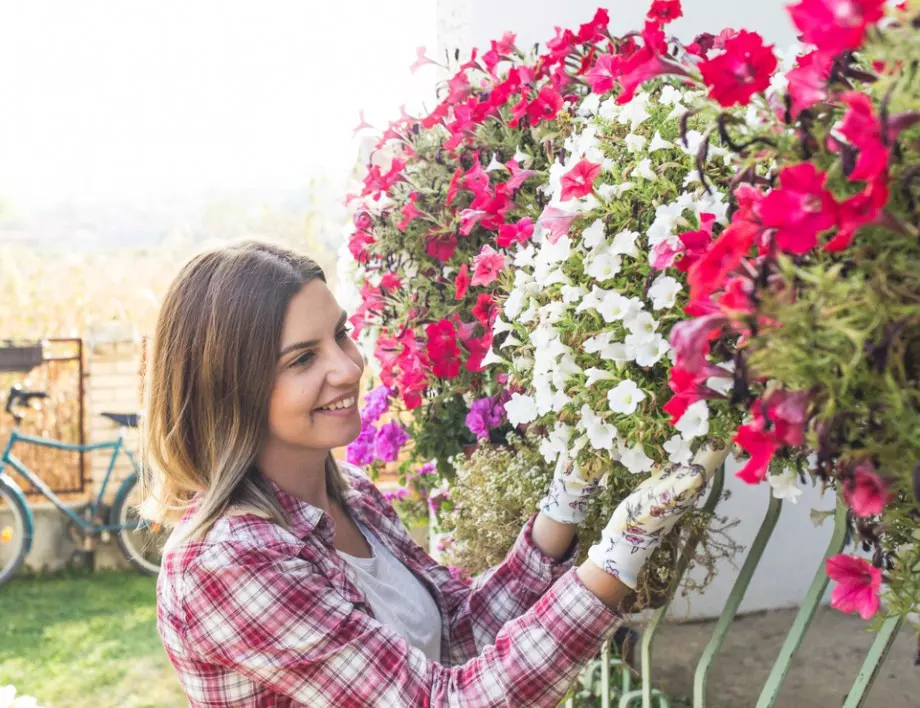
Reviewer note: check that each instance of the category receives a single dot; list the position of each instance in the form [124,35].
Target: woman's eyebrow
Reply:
[312,342]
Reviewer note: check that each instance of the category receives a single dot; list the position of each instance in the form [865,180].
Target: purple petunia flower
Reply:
[376,403]
[390,438]
[361,451]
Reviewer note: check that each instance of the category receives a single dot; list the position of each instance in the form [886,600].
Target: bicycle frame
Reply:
[117,446]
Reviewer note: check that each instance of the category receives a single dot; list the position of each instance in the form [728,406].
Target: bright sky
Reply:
[106,100]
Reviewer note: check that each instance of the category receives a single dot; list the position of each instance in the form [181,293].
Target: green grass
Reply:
[82,639]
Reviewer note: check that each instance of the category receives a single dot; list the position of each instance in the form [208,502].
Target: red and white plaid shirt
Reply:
[258,615]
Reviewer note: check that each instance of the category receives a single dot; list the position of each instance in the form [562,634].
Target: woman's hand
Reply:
[644,518]
[566,500]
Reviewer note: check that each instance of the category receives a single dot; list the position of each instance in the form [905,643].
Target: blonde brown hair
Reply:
[208,384]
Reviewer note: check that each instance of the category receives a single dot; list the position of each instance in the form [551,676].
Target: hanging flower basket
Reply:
[20,358]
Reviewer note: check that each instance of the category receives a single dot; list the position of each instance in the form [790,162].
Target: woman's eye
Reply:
[303,359]
[343,334]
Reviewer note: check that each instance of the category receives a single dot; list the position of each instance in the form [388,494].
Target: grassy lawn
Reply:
[85,640]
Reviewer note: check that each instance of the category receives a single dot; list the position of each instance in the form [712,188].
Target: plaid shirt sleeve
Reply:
[282,624]
[477,612]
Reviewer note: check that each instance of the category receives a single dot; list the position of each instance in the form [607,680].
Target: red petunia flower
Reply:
[519,232]
[799,209]
[409,212]
[484,309]
[743,69]
[442,349]
[462,282]
[808,80]
[441,246]
[602,75]
[579,181]
[665,11]
[858,584]
[866,493]
[863,130]
[696,243]
[545,106]
[646,63]
[556,222]
[858,211]
[835,26]
[761,446]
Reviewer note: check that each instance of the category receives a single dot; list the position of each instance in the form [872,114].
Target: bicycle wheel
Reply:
[15,531]
[139,540]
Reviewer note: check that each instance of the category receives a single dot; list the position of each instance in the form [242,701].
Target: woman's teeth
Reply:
[344,403]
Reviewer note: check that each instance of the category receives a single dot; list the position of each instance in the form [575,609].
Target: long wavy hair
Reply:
[207,386]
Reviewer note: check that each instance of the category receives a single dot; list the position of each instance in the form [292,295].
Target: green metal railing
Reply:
[609,681]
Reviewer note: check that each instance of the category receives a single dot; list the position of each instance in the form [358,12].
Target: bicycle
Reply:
[139,541]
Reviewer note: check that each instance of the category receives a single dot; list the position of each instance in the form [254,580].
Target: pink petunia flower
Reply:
[866,494]
[858,584]
[579,181]
[486,266]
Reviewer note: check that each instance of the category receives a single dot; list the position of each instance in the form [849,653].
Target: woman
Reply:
[288,579]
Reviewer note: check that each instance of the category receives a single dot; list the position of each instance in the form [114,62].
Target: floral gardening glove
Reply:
[566,500]
[645,517]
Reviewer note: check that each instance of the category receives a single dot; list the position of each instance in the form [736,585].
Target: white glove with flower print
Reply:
[645,517]
[566,500]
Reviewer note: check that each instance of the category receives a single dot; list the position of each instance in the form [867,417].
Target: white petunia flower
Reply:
[659,143]
[524,256]
[648,352]
[593,236]
[677,112]
[625,397]
[601,434]
[595,375]
[522,158]
[573,293]
[609,109]
[694,139]
[785,485]
[624,243]
[645,170]
[642,324]
[494,164]
[635,111]
[592,345]
[492,358]
[723,384]
[603,267]
[695,421]
[511,341]
[500,326]
[615,307]
[669,96]
[678,450]
[663,292]
[614,190]
[634,143]
[692,177]
[589,105]
[634,458]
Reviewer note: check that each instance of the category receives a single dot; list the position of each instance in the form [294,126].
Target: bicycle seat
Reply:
[127,420]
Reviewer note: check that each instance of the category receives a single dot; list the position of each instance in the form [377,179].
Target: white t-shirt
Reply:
[397,597]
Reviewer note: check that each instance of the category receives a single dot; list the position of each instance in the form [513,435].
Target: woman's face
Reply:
[314,402]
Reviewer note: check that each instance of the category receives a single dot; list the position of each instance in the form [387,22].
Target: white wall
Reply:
[797,547]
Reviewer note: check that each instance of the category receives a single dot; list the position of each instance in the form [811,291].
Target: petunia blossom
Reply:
[800,209]
[858,585]
[835,25]
[486,266]
[579,181]
[743,69]
[462,282]
[865,493]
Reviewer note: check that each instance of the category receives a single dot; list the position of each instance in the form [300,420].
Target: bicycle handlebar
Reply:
[19,396]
